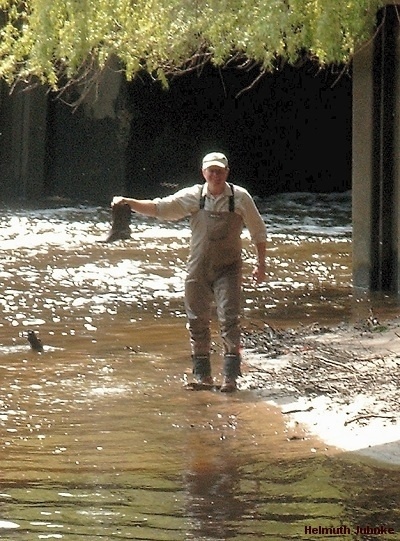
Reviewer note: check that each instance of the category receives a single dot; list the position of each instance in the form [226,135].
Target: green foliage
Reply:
[57,39]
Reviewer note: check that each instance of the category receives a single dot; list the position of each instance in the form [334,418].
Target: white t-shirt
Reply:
[186,202]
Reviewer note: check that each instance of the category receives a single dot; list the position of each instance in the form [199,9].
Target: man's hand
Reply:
[259,273]
[117,200]
[259,270]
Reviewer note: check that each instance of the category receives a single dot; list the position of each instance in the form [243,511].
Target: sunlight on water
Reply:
[62,264]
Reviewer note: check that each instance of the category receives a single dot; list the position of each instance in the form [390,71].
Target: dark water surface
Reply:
[98,439]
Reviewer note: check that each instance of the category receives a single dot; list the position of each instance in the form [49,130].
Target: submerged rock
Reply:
[35,342]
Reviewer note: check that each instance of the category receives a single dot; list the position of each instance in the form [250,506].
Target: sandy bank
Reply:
[341,384]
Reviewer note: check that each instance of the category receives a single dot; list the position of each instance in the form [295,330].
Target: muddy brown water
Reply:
[98,438]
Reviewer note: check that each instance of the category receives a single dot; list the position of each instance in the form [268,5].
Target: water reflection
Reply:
[214,503]
[98,439]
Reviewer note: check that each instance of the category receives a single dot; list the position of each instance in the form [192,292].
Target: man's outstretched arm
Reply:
[142,206]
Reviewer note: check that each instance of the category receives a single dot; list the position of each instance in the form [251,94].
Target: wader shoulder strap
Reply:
[202,199]
[231,200]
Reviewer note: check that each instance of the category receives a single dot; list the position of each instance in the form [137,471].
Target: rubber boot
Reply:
[231,371]
[202,369]
[120,226]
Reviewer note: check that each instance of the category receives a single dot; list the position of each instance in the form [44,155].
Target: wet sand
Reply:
[339,384]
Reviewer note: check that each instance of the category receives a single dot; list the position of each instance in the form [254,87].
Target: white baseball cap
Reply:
[215,158]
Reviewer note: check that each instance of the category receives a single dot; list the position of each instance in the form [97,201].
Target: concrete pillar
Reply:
[376,180]
[362,166]
[23,142]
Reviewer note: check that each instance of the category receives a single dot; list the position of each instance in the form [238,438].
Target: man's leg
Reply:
[227,291]
[198,297]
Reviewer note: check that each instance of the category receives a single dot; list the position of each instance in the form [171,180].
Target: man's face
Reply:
[216,178]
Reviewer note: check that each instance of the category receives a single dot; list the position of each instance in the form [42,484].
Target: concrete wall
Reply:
[137,138]
[86,149]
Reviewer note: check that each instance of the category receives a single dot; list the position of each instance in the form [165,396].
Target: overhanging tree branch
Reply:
[64,44]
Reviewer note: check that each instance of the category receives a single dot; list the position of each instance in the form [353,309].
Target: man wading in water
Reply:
[218,211]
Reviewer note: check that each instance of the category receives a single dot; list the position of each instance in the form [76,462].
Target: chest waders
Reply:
[214,273]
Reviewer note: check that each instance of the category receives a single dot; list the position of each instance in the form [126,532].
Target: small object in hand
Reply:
[35,342]
[120,223]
